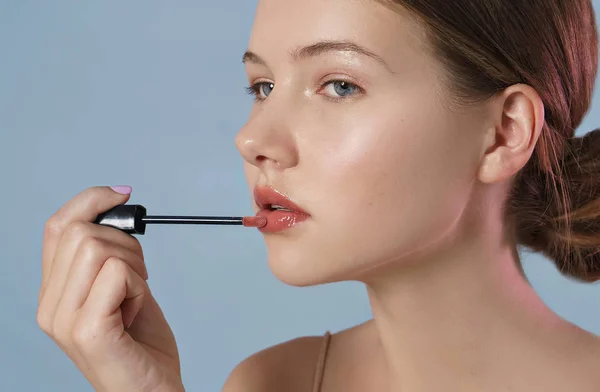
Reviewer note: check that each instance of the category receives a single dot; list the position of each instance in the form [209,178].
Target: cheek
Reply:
[391,183]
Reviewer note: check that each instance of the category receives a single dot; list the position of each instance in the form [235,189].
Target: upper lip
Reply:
[265,196]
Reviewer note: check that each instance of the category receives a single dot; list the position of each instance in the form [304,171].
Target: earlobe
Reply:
[518,118]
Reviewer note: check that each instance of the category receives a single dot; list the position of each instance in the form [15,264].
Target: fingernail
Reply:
[122,189]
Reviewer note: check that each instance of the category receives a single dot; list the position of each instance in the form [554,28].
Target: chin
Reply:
[293,267]
[300,262]
[299,265]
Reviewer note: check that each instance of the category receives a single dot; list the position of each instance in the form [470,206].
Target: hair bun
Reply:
[573,239]
[582,144]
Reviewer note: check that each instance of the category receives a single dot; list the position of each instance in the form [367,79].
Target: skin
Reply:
[438,260]
[452,308]
[95,303]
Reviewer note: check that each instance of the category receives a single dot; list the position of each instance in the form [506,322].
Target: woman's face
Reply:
[366,144]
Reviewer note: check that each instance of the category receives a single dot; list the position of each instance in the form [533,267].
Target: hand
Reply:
[95,303]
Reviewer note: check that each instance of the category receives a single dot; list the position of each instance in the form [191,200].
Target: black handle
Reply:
[126,217]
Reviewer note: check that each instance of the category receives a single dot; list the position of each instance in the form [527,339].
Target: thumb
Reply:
[121,189]
[90,203]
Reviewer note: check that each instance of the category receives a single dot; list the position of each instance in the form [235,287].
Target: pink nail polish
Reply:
[122,189]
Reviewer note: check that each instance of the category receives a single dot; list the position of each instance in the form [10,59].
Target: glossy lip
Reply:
[277,220]
[264,196]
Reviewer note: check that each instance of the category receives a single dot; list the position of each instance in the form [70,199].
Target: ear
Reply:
[517,119]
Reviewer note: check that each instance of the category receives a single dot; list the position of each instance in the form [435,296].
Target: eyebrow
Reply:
[317,49]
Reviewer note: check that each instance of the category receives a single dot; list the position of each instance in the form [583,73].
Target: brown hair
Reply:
[552,46]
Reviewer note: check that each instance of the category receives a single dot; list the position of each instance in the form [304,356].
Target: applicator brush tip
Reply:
[254,221]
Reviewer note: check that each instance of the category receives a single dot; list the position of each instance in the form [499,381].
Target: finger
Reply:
[87,241]
[89,260]
[86,206]
[99,324]
[70,243]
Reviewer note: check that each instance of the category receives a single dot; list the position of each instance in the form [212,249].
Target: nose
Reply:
[267,139]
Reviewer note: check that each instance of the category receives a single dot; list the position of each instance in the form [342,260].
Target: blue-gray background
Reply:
[150,94]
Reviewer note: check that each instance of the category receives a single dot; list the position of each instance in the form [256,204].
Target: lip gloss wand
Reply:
[132,219]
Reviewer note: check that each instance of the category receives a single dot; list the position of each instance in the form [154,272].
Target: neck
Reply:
[461,318]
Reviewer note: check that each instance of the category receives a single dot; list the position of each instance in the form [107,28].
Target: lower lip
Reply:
[280,220]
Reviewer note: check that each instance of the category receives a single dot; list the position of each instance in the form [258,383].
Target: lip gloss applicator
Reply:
[132,219]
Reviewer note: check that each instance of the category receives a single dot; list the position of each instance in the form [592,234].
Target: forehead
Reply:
[280,26]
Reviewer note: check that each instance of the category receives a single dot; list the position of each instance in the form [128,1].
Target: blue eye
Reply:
[260,90]
[342,88]
[266,88]
[336,89]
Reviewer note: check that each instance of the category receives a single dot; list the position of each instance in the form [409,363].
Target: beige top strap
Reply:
[320,369]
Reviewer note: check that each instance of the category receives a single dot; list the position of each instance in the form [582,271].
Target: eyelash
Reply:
[255,90]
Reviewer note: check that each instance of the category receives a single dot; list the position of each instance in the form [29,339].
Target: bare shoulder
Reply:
[288,366]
